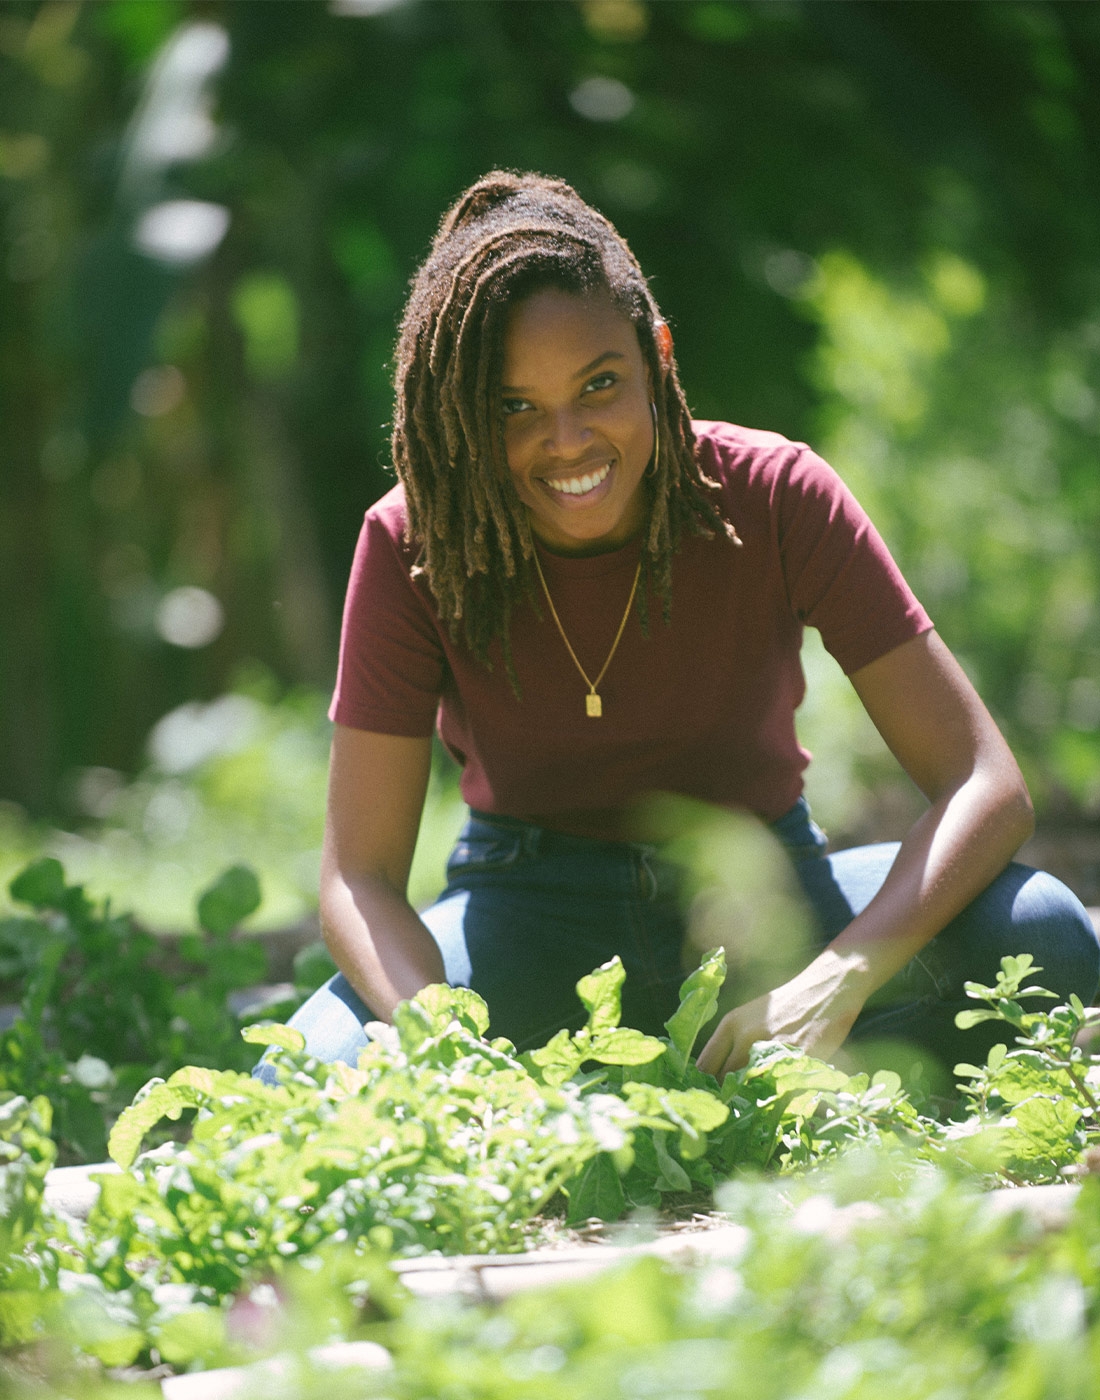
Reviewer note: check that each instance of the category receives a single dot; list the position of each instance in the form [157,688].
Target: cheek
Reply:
[517,447]
[641,432]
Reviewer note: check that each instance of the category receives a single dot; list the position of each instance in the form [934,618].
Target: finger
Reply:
[716,1051]
[737,1058]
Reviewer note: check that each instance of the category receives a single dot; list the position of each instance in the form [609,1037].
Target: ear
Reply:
[663,337]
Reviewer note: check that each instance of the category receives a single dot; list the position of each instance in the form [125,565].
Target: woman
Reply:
[599,599]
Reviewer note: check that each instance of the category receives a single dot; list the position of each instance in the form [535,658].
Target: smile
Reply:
[579,485]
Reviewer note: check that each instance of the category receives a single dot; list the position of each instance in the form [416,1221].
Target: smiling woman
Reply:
[546,455]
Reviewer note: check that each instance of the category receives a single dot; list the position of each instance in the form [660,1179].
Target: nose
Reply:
[567,435]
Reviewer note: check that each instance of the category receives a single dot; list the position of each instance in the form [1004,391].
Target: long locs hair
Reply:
[508,236]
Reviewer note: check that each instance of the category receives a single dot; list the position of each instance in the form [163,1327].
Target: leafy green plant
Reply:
[442,1139]
[926,1292]
[100,1012]
[439,1139]
[784,1110]
[1038,1103]
[26,1154]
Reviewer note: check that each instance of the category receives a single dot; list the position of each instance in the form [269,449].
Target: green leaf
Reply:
[965,1020]
[557,1060]
[114,1345]
[596,1192]
[445,1004]
[601,993]
[672,1177]
[187,1088]
[1018,967]
[623,1046]
[272,1033]
[698,1003]
[694,1112]
[413,1023]
[21,1312]
[191,1335]
[232,897]
[118,1195]
[1050,1124]
[41,884]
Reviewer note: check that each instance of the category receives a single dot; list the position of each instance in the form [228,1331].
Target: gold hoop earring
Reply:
[651,470]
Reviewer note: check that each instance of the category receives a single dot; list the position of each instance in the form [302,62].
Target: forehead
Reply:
[564,331]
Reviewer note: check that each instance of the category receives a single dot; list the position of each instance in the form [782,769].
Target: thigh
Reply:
[1022,911]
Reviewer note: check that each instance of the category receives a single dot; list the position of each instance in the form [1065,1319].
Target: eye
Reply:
[603,380]
[509,407]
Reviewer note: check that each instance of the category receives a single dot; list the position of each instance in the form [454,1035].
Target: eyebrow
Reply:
[582,373]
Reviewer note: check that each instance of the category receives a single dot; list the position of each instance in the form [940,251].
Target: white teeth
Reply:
[580,485]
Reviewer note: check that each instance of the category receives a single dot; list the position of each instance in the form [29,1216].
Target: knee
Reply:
[1055,927]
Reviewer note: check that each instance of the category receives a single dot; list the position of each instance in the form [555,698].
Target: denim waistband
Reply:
[796,829]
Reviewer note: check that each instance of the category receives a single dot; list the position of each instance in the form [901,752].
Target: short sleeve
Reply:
[392,661]
[840,576]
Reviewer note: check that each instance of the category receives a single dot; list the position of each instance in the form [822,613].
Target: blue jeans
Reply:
[527,912]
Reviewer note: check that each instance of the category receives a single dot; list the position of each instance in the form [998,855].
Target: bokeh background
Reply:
[872,226]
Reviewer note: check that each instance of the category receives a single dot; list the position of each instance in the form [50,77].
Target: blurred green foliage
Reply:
[872,226]
[242,777]
[100,1013]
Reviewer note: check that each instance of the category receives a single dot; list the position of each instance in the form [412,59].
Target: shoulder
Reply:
[385,527]
[727,450]
[385,559]
[390,514]
[755,463]
[733,442]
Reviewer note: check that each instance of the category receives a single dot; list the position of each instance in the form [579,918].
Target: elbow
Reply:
[1016,810]
[329,891]
[1027,814]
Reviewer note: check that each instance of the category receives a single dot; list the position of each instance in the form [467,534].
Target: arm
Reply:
[979,814]
[376,793]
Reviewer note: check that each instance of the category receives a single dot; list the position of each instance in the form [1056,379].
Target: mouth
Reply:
[582,485]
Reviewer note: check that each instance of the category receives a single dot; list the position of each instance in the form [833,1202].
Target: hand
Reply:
[800,1012]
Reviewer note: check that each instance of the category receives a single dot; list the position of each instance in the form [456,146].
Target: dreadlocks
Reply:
[508,236]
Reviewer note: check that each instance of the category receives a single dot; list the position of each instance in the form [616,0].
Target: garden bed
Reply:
[448,1193]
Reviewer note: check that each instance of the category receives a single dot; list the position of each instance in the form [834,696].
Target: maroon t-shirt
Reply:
[704,706]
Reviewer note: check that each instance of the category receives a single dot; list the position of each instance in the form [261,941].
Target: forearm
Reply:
[377,941]
[956,848]
[959,845]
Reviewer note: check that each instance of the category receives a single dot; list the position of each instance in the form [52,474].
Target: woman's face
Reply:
[578,426]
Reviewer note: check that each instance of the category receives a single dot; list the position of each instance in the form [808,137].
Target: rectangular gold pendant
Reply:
[593,705]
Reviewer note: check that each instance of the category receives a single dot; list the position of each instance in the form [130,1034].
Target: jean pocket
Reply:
[476,851]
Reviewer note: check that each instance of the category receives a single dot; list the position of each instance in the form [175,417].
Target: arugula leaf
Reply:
[698,1003]
[445,1004]
[192,1087]
[596,1193]
[272,1033]
[601,994]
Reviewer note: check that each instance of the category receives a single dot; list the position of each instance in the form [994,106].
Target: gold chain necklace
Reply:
[593,705]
